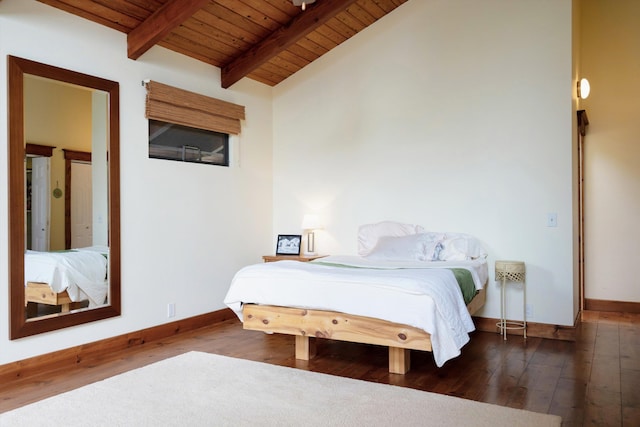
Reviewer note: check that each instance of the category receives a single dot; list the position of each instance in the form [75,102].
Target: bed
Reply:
[67,278]
[403,290]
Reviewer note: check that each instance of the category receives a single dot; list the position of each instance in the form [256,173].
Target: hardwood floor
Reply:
[593,381]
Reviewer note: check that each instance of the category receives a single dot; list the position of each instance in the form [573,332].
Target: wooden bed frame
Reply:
[304,323]
[41,293]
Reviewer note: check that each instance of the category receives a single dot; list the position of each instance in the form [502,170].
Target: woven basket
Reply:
[510,271]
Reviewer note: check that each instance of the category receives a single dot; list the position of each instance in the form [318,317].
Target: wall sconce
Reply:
[584,88]
[309,224]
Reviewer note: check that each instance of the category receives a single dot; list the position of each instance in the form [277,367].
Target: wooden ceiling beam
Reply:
[159,24]
[304,23]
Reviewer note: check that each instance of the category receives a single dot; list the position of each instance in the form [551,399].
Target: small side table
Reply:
[514,272]
[302,258]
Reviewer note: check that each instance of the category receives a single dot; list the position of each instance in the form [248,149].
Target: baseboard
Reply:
[606,305]
[91,352]
[540,330]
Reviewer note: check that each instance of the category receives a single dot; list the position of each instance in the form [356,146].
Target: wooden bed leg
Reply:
[305,349]
[399,360]
[32,310]
[75,305]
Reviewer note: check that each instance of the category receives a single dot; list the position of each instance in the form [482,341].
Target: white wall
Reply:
[186,228]
[453,115]
[610,59]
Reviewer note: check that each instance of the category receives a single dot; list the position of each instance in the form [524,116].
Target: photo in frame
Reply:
[288,244]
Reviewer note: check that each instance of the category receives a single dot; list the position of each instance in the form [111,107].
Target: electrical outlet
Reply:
[171,310]
[529,311]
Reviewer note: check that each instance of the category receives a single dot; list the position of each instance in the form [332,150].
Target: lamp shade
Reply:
[311,222]
[301,2]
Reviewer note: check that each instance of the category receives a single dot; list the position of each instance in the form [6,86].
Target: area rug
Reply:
[201,389]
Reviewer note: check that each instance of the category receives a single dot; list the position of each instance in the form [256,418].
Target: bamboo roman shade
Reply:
[173,105]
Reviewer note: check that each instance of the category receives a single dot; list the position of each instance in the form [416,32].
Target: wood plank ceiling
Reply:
[265,40]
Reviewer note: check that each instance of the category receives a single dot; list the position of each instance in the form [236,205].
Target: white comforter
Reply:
[422,294]
[82,273]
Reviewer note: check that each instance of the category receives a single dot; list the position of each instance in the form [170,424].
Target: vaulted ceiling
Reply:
[264,40]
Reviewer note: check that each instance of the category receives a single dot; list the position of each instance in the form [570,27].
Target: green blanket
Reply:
[465,281]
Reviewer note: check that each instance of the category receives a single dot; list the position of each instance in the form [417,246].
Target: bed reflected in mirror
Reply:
[64,198]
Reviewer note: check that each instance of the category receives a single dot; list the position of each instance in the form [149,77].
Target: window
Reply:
[176,142]
[190,127]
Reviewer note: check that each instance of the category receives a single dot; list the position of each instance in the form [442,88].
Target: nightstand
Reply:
[302,258]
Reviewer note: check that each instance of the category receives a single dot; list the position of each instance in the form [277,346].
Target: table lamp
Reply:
[310,223]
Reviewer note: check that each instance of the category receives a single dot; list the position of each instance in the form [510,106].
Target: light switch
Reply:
[552,219]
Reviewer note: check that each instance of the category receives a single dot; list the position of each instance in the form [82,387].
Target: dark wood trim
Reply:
[39,150]
[67,203]
[78,156]
[16,69]
[92,352]
[583,122]
[540,330]
[16,218]
[617,306]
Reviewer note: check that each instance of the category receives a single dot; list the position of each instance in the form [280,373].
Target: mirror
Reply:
[43,179]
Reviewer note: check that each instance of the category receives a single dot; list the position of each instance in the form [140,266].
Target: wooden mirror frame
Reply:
[20,326]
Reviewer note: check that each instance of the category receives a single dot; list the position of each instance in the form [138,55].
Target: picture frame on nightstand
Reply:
[288,244]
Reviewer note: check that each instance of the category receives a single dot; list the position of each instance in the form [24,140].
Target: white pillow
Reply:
[460,247]
[403,248]
[369,234]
